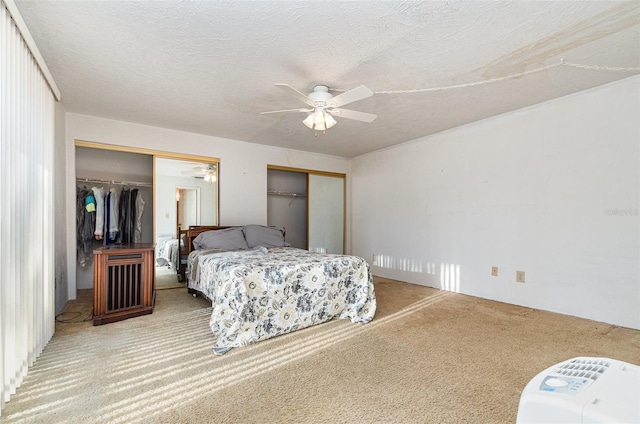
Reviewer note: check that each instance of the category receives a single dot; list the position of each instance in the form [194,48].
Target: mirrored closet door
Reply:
[186,193]
[326,213]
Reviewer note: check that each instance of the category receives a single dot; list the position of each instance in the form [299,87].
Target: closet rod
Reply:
[112,182]
[285,193]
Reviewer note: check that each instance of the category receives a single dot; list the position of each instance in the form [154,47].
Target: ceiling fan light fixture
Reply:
[329,121]
[318,117]
[319,120]
[322,104]
[308,121]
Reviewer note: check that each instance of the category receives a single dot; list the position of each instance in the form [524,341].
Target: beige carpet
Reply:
[428,356]
[167,278]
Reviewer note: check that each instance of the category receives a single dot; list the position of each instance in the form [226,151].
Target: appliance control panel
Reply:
[563,384]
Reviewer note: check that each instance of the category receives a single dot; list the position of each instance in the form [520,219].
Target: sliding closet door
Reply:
[326,213]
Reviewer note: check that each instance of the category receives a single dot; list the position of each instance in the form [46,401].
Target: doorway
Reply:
[187,207]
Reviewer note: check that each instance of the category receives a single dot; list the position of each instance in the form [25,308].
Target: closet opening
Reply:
[310,205]
[114,204]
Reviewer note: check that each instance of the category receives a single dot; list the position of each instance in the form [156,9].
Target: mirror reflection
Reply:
[186,194]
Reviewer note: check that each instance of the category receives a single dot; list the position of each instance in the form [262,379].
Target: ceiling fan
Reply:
[323,106]
[207,172]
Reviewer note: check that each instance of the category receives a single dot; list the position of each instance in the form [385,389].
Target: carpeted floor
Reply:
[167,278]
[428,356]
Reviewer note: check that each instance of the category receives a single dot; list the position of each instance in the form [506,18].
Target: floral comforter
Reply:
[261,293]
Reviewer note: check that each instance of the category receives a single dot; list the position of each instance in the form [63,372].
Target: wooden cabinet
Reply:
[123,282]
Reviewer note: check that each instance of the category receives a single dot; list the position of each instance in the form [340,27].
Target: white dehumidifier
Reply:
[583,390]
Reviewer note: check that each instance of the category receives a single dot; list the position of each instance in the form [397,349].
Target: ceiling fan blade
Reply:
[200,170]
[295,93]
[354,114]
[350,96]
[287,110]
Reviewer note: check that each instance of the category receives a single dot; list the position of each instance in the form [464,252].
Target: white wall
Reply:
[166,218]
[243,166]
[166,202]
[551,190]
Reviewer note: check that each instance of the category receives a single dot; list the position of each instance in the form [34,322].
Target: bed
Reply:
[171,253]
[260,288]
[168,253]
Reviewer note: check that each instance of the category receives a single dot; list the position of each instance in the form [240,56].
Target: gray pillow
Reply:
[259,235]
[226,239]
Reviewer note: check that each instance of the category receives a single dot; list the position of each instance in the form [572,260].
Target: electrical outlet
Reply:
[519,276]
[494,271]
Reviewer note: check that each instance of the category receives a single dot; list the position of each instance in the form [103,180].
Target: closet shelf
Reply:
[112,182]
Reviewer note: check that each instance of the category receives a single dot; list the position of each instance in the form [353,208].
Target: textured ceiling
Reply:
[209,67]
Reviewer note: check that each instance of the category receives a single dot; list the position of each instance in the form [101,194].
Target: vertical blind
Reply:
[27,300]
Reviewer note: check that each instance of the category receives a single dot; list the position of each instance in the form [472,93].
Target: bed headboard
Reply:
[195,230]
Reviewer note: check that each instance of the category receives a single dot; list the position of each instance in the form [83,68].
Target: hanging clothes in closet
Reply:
[130,216]
[112,207]
[85,224]
[98,194]
[112,219]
